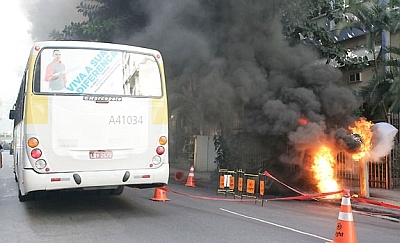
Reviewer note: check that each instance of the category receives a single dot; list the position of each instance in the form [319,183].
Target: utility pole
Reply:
[364,183]
[385,40]
[363,165]
[388,160]
[385,57]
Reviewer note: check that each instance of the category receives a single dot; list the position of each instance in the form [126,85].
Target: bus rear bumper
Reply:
[141,178]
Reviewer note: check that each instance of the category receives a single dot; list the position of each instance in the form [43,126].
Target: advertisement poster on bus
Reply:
[103,72]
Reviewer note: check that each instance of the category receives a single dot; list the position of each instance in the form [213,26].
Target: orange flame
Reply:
[363,128]
[303,121]
[324,161]
[323,169]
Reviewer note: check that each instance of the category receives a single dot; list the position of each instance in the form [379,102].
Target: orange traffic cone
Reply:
[160,194]
[345,232]
[190,179]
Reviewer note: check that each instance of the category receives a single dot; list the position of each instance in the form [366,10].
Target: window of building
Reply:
[355,77]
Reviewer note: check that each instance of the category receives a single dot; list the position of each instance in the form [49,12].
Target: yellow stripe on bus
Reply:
[159,107]
[37,109]
[36,106]
[159,111]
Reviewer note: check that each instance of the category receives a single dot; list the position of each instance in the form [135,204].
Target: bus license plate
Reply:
[100,154]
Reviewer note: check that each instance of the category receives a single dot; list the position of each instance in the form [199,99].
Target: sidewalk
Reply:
[202,179]
[387,196]
[381,202]
[377,195]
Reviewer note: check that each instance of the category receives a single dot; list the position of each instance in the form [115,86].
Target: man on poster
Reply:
[55,72]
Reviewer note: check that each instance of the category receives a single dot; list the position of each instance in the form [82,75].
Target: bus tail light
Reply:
[162,140]
[160,150]
[36,153]
[33,142]
[40,164]
[156,160]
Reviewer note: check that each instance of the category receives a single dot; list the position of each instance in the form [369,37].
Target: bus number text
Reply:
[125,120]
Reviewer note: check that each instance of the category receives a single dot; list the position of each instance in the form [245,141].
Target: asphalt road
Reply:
[133,217]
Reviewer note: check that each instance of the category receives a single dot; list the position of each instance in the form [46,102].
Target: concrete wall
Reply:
[204,153]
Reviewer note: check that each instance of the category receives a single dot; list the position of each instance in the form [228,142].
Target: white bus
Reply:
[90,116]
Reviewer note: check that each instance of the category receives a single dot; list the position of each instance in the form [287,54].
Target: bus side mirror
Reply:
[11,115]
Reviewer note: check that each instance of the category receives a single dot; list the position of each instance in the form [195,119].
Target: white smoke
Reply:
[382,140]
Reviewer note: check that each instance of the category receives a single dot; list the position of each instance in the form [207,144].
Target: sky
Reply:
[16,43]
[16,48]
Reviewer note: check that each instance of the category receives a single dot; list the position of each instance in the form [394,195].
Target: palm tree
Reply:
[374,17]
[394,76]
[384,90]
[371,17]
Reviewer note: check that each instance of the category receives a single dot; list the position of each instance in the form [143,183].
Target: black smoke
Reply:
[243,65]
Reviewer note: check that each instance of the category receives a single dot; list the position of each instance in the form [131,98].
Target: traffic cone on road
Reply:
[160,194]
[345,232]
[190,179]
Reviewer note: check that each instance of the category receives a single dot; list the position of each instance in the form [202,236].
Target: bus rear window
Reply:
[97,72]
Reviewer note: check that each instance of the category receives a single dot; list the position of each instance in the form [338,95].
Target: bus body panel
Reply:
[102,138]
[90,180]
[73,133]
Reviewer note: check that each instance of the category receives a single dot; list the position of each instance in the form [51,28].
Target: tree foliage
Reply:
[382,94]
[105,20]
[373,17]
[297,19]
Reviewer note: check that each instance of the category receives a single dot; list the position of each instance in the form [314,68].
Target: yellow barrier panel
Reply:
[222,174]
[221,182]
[262,186]
[262,181]
[226,181]
[250,187]
[232,182]
[241,184]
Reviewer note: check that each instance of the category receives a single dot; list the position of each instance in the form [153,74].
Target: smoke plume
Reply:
[243,65]
[382,140]
[49,15]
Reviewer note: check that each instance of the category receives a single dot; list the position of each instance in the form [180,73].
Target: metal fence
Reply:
[394,157]
[348,173]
